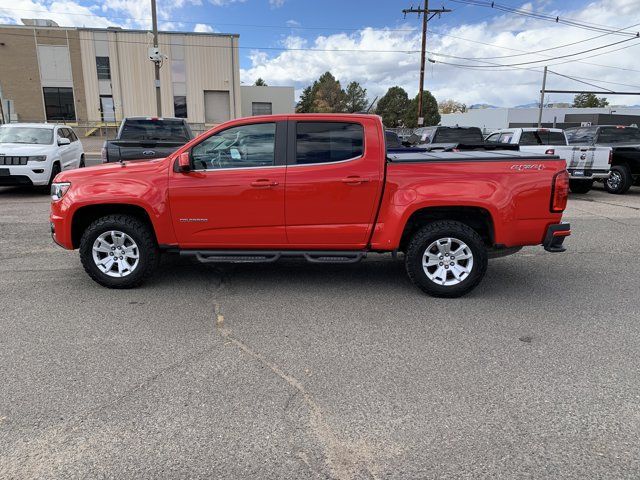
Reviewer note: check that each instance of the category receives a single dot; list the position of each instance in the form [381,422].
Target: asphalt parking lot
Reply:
[295,370]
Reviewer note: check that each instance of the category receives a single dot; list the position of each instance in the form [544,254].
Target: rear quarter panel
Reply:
[518,199]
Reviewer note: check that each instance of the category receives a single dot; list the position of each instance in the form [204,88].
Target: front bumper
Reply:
[554,238]
[34,173]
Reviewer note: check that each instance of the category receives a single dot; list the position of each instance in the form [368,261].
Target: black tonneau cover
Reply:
[413,156]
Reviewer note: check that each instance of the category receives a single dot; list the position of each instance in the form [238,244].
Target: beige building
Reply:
[267,100]
[86,75]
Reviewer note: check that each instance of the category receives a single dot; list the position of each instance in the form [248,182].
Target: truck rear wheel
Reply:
[446,259]
[580,186]
[619,181]
[119,251]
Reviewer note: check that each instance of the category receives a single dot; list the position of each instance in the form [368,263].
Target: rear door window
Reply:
[324,142]
[619,135]
[542,137]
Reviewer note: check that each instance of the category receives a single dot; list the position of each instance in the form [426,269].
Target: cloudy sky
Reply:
[292,42]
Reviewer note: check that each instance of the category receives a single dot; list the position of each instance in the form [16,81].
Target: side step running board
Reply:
[252,256]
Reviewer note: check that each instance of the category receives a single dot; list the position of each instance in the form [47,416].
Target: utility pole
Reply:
[424,12]
[156,62]
[544,84]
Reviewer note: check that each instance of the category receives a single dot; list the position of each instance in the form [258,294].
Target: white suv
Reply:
[34,153]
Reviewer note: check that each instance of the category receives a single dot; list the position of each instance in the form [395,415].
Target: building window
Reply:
[261,108]
[104,70]
[180,106]
[58,103]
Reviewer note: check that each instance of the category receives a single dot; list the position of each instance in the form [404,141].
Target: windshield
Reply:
[143,129]
[28,135]
[619,135]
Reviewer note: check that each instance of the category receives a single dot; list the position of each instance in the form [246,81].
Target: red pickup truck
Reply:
[320,187]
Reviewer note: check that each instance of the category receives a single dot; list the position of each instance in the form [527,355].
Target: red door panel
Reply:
[333,204]
[229,208]
[234,196]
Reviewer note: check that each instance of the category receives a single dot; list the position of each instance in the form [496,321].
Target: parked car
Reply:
[625,144]
[318,187]
[440,137]
[144,138]
[585,164]
[32,154]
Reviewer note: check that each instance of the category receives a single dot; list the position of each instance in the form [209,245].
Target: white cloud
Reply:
[203,28]
[65,13]
[69,13]
[222,3]
[276,3]
[292,23]
[378,71]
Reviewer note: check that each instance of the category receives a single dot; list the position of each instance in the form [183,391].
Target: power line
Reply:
[435,32]
[553,58]
[301,49]
[543,16]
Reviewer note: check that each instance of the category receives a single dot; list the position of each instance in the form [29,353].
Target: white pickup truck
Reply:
[584,163]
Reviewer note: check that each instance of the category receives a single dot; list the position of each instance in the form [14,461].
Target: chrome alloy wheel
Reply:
[614,181]
[115,254]
[447,261]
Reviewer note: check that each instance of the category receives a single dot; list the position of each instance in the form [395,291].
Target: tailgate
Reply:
[141,150]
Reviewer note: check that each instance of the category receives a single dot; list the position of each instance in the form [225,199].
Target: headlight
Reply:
[38,158]
[58,190]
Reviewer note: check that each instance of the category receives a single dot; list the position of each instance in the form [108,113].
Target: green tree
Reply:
[306,104]
[356,98]
[392,107]
[429,111]
[586,100]
[260,83]
[328,95]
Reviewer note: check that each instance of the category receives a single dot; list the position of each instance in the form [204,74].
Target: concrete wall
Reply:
[282,99]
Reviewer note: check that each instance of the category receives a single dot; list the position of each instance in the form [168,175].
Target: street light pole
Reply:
[544,84]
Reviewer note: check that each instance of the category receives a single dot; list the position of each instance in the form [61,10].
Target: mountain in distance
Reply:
[481,106]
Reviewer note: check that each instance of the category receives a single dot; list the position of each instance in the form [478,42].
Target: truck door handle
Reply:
[264,183]
[354,180]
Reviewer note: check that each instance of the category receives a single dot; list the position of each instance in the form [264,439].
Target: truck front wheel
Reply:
[446,259]
[580,186]
[119,251]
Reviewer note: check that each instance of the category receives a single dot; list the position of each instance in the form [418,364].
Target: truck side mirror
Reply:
[184,162]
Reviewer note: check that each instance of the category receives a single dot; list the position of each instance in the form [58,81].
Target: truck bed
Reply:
[477,156]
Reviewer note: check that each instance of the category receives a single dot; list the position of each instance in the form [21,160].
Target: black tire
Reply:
[424,237]
[619,181]
[142,235]
[55,170]
[81,164]
[580,186]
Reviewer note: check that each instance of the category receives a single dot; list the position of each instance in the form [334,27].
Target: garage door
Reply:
[216,106]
